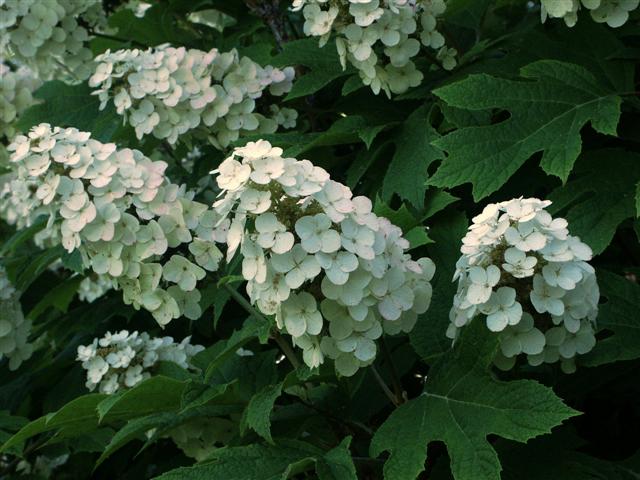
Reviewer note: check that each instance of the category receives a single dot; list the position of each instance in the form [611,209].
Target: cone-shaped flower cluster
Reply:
[14,328]
[529,280]
[334,273]
[123,359]
[614,13]
[167,92]
[380,37]
[120,211]
[50,35]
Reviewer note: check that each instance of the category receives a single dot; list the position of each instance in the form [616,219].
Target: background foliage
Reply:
[532,110]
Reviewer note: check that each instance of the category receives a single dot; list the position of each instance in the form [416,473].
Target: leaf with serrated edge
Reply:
[461,405]
[548,109]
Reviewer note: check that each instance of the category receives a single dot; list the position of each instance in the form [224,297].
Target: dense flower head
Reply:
[168,91]
[334,274]
[50,36]
[530,281]
[16,89]
[14,328]
[122,360]
[120,211]
[380,37]
[614,13]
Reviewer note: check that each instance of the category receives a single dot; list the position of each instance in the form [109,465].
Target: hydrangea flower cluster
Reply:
[380,37]
[530,281]
[121,212]
[50,36]
[199,437]
[167,92]
[333,273]
[16,88]
[14,328]
[123,359]
[614,13]
[93,287]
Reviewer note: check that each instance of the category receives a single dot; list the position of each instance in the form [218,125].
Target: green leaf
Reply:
[618,315]
[324,65]
[153,395]
[428,336]
[548,108]
[255,462]
[133,429]
[73,261]
[407,173]
[77,416]
[462,404]
[24,235]
[211,358]
[59,297]
[257,416]
[37,266]
[418,237]
[599,199]
[337,463]
[71,106]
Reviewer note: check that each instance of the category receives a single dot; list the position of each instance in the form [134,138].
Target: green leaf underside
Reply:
[461,405]
[547,111]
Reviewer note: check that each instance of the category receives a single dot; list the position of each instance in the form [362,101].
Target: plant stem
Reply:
[387,391]
[395,378]
[282,343]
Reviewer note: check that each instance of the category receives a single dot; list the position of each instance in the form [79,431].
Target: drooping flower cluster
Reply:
[614,13]
[523,273]
[50,36]
[199,437]
[167,92]
[14,328]
[334,273]
[121,212]
[123,359]
[16,88]
[380,37]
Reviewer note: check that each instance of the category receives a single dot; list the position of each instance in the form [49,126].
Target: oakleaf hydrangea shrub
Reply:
[51,36]
[380,37]
[524,275]
[120,211]
[335,275]
[122,360]
[168,91]
[614,13]
[14,328]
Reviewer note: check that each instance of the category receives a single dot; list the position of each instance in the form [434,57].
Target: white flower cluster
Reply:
[530,280]
[334,273]
[123,359]
[380,37]
[49,35]
[199,437]
[94,286]
[167,92]
[121,212]
[614,13]
[16,88]
[14,328]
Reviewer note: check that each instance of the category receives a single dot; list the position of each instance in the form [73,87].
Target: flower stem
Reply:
[387,391]
[282,343]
